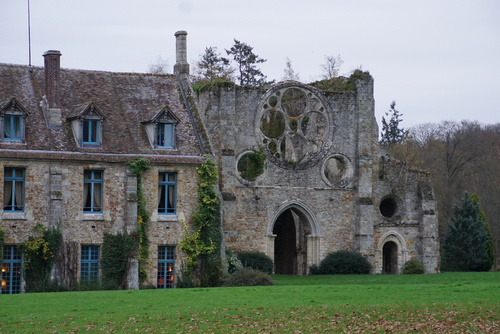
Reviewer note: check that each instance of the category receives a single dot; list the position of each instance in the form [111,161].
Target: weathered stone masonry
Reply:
[324,187]
[301,172]
[54,103]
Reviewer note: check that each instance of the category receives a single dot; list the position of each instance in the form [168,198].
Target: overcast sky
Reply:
[438,59]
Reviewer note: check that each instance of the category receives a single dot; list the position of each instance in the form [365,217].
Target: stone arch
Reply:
[391,253]
[293,239]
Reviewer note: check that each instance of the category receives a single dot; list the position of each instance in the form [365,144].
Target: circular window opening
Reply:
[251,165]
[388,207]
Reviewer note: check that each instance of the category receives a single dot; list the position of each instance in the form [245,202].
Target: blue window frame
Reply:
[13,190]
[91,132]
[92,191]
[166,267]
[167,188]
[165,135]
[89,264]
[12,127]
[12,264]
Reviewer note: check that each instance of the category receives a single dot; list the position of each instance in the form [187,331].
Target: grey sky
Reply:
[438,59]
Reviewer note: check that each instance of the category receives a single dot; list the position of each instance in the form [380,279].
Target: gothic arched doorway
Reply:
[390,258]
[291,229]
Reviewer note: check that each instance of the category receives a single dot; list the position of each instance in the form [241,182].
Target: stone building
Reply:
[301,174]
[67,138]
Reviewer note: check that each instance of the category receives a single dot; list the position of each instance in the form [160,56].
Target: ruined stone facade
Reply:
[325,184]
[301,173]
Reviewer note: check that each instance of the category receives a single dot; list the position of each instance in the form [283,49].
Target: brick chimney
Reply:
[181,65]
[52,99]
[52,81]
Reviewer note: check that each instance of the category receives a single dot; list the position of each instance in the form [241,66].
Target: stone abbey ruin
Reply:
[301,173]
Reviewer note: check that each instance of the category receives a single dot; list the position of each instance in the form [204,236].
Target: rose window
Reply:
[293,126]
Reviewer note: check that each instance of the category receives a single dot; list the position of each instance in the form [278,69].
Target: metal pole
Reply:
[29,33]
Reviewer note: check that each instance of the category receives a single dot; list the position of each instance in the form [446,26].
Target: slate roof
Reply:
[126,99]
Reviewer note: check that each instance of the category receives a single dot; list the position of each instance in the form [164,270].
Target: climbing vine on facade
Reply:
[138,166]
[116,250]
[39,253]
[2,238]
[202,245]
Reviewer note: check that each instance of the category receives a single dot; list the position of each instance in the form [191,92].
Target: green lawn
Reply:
[449,302]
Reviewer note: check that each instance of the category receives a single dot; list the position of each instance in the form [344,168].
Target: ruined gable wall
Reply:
[348,215]
[249,207]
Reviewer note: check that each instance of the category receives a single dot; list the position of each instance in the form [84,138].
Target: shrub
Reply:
[39,255]
[413,267]
[314,270]
[257,261]
[344,262]
[248,277]
[233,263]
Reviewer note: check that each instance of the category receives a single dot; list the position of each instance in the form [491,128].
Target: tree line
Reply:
[463,159]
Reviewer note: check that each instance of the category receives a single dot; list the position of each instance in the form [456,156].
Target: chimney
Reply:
[51,102]
[52,84]
[181,65]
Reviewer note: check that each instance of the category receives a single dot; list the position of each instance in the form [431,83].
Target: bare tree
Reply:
[159,67]
[460,156]
[289,73]
[331,67]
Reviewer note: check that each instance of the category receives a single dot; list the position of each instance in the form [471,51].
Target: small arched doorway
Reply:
[390,258]
[291,229]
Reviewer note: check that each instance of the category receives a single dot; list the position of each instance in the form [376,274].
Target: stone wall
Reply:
[54,197]
[324,173]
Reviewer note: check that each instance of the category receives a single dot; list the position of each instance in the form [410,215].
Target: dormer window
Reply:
[165,135]
[160,126]
[91,131]
[86,123]
[12,127]
[12,122]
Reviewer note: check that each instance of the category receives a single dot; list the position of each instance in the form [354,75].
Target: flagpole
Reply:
[29,33]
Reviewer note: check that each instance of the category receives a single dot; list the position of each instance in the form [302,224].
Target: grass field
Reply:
[444,303]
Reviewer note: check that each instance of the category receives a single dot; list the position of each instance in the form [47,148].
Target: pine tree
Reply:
[212,66]
[246,60]
[391,132]
[465,246]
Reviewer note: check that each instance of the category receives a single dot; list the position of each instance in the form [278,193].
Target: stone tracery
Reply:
[293,126]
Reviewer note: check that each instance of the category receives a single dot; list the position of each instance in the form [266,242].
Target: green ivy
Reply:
[2,239]
[116,250]
[202,246]
[39,253]
[138,166]
[205,85]
[252,165]
[341,84]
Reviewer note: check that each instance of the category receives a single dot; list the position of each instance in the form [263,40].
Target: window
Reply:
[87,125]
[92,191]
[91,132]
[167,193]
[12,127]
[12,121]
[13,191]
[89,264]
[11,269]
[166,267]
[165,135]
